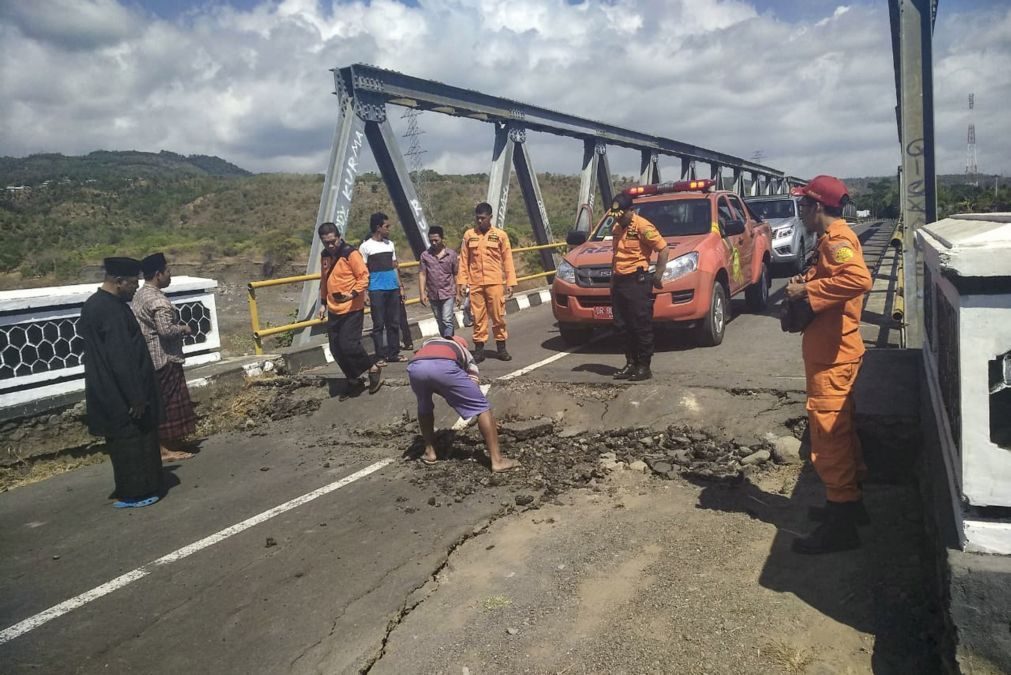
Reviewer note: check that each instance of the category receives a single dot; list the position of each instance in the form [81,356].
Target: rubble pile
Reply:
[553,462]
[260,400]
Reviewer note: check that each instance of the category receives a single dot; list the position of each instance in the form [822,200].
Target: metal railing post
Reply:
[254,318]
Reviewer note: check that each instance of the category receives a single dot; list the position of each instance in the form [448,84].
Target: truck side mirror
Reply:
[575,238]
[734,227]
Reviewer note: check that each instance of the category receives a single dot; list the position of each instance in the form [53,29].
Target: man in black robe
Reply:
[121,387]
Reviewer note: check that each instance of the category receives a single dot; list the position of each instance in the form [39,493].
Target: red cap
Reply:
[828,190]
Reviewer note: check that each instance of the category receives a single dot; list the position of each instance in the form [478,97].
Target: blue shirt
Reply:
[381,259]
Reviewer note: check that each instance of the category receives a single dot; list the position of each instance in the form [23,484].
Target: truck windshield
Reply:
[674,218]
[773,208]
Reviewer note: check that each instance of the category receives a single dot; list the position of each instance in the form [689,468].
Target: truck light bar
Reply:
[701,185]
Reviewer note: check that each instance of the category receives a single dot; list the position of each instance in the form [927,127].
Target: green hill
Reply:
[58,213]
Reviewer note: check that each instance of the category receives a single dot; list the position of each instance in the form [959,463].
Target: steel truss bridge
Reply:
[364,92]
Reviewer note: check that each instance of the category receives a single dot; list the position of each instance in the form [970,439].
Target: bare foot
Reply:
[504,465]
[429,457]
[175,456]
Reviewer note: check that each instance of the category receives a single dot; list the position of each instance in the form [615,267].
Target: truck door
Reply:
[731,243]
[747,248]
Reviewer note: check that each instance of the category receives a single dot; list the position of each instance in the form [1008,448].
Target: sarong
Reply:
[136,465]
[179,419]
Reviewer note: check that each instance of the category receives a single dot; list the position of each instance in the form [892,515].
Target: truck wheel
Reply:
[574,334]
[757,294]
[709,332]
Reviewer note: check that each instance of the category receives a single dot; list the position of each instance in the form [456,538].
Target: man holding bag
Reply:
[833,349]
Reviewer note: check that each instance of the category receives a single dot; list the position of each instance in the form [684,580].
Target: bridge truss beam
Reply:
[364,92]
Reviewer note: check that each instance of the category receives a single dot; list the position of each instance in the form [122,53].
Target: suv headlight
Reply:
[783,232]
[681,266]
[566,272]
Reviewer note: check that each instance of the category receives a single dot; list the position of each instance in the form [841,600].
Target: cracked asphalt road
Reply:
[344,570]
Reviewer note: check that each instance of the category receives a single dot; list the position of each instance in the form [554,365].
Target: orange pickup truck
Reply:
[718,248]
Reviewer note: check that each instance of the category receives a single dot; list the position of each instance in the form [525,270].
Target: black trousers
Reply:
[385,323]
[632,302]
[405,326]
[136,464]
[345,333]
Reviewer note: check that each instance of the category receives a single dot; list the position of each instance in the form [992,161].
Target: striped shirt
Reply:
[450,349]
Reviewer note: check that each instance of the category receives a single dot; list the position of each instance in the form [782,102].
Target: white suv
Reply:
[790,243]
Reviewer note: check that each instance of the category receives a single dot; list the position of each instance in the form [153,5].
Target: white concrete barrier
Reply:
[41,353]
[967,358]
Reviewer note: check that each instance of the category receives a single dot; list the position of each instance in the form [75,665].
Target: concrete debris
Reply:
[638,466]
[523,430]
[757,458]
[786,450]
[661,466]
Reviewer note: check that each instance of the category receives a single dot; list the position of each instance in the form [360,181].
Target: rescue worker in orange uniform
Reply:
[635,239]
[344,278]
[833,349]
[486,266]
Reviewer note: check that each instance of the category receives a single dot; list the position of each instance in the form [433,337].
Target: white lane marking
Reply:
[429,328]
[59,610]
[551,359]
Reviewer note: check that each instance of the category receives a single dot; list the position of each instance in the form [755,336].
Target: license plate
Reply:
[603,313]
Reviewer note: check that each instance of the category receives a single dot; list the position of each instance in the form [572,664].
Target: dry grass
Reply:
[790,659]
[228,413]
[496,602]
[27,473]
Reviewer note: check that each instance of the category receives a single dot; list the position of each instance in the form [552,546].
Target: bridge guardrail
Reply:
[254,312]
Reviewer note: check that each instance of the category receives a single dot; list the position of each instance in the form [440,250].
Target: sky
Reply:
[807,83]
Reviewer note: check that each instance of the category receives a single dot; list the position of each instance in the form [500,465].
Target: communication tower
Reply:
[971,168]
[415,153]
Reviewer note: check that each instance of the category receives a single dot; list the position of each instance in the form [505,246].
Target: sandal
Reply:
[134,503]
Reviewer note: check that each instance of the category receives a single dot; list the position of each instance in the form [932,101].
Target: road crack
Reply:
[411,602]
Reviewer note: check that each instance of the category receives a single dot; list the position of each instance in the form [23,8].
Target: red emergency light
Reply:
[701,185]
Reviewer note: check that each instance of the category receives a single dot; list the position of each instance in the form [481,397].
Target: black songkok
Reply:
[122,267]
[153,264]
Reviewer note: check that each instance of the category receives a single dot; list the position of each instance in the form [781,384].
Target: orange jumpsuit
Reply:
[833,349]
[486,265]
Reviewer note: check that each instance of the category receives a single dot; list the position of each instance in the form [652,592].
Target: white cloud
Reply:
[72,24]
[253,85]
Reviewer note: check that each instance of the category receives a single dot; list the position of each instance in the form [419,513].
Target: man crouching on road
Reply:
[445,366]
[833,349]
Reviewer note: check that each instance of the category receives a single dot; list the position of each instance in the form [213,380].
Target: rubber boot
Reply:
[860,516]
[627,371]
[642,372]
[503,355]
[837,533]
[478,352]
